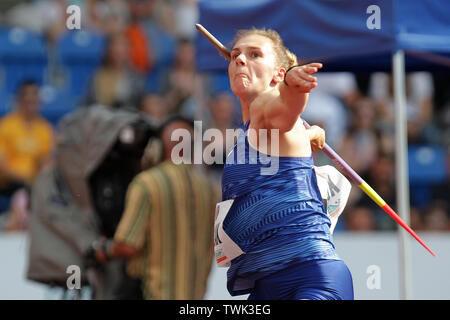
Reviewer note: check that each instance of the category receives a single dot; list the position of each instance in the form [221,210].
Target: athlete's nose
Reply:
[240,59]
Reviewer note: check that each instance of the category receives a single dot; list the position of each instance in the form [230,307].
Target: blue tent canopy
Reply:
[335,32]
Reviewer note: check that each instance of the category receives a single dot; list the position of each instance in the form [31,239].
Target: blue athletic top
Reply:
[274,218]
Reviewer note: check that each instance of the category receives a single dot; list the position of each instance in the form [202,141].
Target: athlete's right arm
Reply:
[285,106]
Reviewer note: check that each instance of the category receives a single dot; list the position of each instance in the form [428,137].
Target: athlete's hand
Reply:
[317,138]
[301,78]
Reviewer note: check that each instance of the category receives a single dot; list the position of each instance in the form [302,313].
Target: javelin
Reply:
[333,156]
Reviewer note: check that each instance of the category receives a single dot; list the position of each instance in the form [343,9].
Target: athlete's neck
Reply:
[245,110]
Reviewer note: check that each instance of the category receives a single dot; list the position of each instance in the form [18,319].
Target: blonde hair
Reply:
[284,57]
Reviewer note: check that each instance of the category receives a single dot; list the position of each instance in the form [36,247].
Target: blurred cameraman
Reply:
[166,230]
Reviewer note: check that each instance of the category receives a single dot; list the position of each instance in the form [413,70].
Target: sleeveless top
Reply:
[276,218]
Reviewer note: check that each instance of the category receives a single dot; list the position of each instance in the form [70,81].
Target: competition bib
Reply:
[225,249]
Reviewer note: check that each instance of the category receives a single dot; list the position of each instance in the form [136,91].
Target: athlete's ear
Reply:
[278,75]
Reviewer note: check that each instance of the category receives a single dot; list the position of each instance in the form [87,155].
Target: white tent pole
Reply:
[401,173]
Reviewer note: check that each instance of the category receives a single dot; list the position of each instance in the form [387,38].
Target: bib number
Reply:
[225,248]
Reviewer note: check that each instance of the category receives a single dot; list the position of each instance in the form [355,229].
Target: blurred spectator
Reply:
[26,139]
[106,16]
[328,112]
[341,85]
[441,191]
[166,230]
[416,219]
[159,40]
[381,179]
[155,106]
[163,14]
[330,102]
[223,112]
[26,142]
[419,103]
[177,17]
[436,217]
[140,46]
[441,82]
[359,146]
[360,219]
[115,84]
[222,109]
[181,81]
[186,16]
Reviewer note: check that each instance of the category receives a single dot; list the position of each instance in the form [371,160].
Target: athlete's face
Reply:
[252,68]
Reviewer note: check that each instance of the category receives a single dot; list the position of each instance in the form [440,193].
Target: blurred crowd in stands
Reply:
[141,54]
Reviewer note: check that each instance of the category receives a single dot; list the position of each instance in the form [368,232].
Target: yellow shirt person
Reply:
[26,138]
[24,144]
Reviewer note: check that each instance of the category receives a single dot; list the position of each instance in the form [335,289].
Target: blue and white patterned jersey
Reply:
[275,218]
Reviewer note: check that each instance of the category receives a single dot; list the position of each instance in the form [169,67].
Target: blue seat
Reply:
[167,47]
[219,82]
[23,55]
[427,168]
[80,52]
[162,44]
[154,79]
[6,102]
[427,164]
[56,103]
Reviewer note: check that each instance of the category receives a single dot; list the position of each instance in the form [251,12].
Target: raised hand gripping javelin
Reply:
[333,156]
